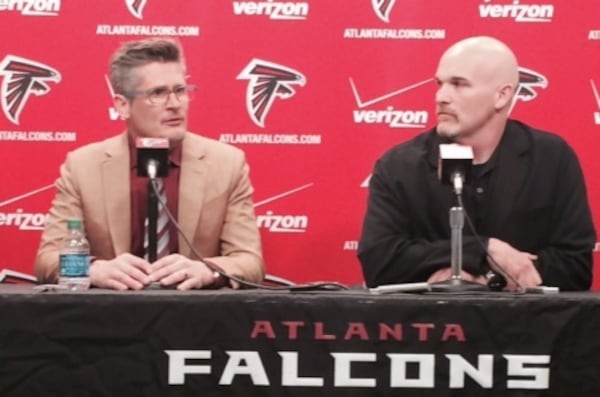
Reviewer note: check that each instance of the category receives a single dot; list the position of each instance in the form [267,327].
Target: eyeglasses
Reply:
[160,95]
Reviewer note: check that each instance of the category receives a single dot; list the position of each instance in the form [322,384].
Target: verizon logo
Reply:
[23,220]
[32,7]
[273,9]
[518,12]
[597,97]
[393,118]
[282,223]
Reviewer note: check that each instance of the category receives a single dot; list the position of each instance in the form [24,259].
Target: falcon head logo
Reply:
[23,77]
[529,80]
[136,7]
[267,81]
[383,8]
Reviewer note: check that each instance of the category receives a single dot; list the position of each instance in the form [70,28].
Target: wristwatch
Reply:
[219,281]
[495,281]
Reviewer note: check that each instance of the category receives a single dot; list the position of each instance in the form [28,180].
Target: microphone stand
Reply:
[457,222]
[152,221]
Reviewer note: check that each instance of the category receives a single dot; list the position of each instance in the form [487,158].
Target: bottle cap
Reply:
[73,224]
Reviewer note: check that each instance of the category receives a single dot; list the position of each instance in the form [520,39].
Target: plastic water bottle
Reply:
[74,263]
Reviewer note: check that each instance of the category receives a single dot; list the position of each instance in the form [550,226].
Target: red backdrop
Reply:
[365,71]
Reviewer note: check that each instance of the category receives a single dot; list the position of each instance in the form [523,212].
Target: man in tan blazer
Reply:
[209,183]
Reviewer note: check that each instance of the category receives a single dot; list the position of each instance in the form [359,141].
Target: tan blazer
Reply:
[215,209]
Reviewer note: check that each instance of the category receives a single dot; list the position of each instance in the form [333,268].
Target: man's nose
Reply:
[442,94]
[173,100]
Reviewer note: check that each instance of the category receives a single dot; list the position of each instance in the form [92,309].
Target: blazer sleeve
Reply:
[66,205]
[566,261]
[240,243]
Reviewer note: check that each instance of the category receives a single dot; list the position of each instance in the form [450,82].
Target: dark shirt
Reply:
[139,199]
[478,192]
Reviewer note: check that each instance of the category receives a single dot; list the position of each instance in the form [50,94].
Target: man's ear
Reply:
[504,96]
[122,105]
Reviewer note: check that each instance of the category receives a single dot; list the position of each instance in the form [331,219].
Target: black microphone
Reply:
[455,163]
[152,157]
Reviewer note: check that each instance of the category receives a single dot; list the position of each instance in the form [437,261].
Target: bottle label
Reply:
[74,265]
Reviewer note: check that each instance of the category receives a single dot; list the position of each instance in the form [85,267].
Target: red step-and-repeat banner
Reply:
[365,83]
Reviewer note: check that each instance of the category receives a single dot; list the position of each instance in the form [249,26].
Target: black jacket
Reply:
[539,205]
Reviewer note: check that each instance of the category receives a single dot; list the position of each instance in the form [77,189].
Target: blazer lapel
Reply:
[511,174]
[191,191]
[116,188]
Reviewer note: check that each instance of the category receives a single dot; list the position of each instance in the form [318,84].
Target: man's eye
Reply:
[159,92]
[179,90]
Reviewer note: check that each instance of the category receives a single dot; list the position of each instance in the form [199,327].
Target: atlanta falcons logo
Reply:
[136,7]
[23,77]
[267,81]
[383,8]
[529,80]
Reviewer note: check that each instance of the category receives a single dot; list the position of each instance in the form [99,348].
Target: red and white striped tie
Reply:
[162,224]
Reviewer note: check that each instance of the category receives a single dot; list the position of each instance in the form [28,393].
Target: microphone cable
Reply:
[495,266]
[313,286]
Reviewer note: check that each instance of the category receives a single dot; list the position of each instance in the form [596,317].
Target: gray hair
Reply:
[139,53]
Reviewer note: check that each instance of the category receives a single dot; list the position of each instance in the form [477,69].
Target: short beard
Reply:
[448,134]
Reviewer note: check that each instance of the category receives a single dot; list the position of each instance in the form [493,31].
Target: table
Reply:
[265,343]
